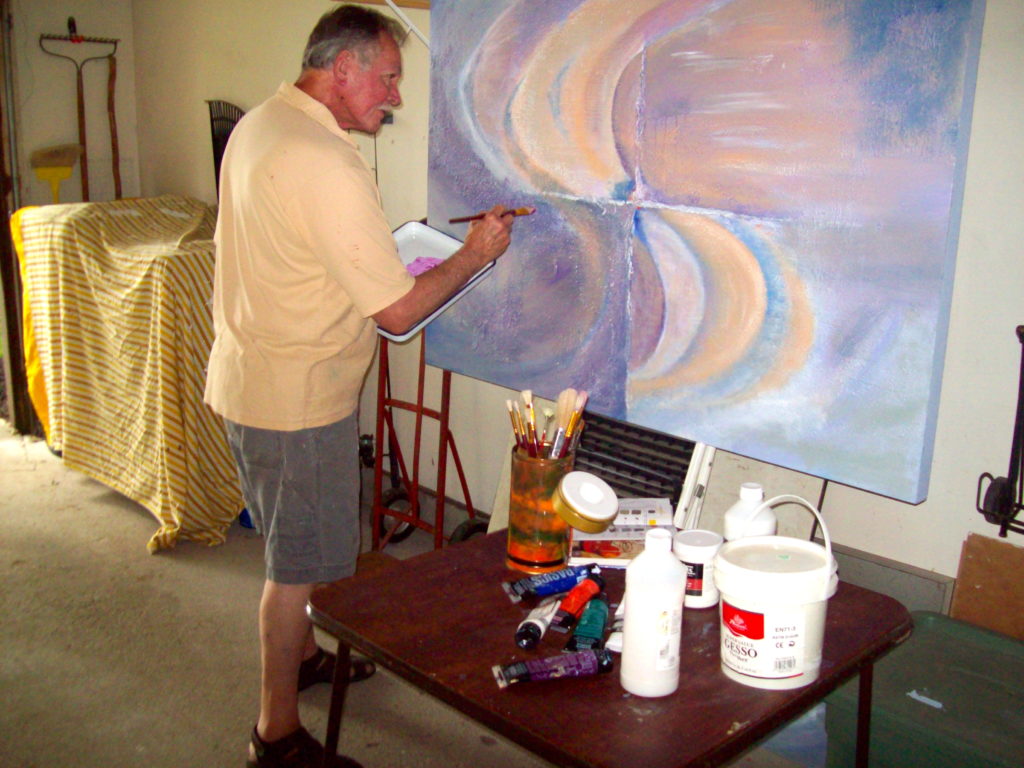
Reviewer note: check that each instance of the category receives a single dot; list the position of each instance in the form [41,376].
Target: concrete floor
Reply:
[112,657]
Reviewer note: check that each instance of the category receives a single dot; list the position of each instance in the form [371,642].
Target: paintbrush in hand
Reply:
[477,216]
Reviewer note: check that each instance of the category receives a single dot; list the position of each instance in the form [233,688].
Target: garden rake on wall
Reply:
[69,44]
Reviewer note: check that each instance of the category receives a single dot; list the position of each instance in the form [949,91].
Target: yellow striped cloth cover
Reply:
[118,297]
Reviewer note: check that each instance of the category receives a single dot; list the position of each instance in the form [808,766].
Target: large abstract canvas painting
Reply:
[747,215]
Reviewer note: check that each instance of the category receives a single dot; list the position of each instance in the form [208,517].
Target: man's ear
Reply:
[342,67]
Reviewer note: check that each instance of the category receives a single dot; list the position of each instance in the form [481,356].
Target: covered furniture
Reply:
[119,329]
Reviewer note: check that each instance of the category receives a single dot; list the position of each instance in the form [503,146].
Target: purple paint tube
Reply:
[581,664]
[550,583]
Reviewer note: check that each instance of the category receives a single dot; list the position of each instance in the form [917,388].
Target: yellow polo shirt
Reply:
[304,258]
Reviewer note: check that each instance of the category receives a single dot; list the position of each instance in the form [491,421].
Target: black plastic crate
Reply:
[635,461]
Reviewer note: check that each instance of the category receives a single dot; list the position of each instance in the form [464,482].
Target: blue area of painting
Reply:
[906,43]
[623,190]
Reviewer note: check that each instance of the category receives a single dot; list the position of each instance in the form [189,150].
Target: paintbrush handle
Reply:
[573,421]
[478,216]
[556,444]
[575,440]
[515,428]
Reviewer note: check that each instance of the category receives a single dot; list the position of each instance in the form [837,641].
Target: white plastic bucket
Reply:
[774,596]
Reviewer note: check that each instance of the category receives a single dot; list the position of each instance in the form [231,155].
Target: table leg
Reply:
[339,687]
[864,716]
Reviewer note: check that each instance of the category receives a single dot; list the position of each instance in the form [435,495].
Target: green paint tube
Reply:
[589,632]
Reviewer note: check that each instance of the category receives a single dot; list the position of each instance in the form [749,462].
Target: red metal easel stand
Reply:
[411,483]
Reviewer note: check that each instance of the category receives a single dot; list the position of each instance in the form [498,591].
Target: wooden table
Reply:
[441,621]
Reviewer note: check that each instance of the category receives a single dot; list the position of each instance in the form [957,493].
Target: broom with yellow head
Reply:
[54,165]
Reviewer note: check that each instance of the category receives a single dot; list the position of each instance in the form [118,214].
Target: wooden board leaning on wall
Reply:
[989,591]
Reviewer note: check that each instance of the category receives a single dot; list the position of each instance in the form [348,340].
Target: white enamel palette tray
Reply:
[416,240]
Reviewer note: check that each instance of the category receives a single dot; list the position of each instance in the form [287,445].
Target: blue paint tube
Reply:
[581,664]
[589,632]
[550,583]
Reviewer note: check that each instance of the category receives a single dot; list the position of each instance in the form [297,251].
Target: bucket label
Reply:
[694,579]
[769,645]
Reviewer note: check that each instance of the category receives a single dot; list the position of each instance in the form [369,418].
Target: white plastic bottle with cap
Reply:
[655,589]
[740,520]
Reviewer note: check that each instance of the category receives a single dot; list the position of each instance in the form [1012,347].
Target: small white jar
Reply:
[696,549]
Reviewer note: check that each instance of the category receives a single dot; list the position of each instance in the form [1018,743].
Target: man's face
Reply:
[372,92]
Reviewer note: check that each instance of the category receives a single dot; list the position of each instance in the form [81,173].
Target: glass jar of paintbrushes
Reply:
[544,452]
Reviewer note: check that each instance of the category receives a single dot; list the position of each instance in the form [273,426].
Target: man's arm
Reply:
[486,240]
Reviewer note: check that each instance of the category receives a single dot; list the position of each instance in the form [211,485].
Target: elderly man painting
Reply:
[307,269]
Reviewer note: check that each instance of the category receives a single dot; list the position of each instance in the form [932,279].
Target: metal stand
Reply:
[405,520]
[1004,496]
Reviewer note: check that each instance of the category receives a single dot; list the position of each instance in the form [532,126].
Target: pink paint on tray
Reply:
[422,264]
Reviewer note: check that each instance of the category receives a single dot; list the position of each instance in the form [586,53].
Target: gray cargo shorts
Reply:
[302,492]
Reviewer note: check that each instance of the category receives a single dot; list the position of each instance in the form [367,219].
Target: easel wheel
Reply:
[467,529]
[398,500]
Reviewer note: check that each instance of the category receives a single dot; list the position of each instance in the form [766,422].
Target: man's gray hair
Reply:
[348,28]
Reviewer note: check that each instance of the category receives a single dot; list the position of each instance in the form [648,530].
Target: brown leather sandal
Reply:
[319,668]
[296,750]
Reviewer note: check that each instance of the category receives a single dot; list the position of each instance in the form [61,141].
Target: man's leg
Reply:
[285,637]
[302,491]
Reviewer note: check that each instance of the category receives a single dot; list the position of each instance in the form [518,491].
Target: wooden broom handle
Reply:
[111,81]
[81,135]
